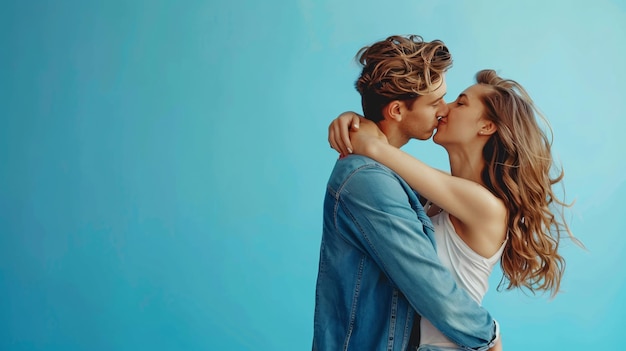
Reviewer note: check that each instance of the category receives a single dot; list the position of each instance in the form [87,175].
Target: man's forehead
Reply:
[438,93]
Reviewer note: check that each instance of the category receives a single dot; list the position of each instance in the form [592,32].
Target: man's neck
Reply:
[397,142]
[394,137]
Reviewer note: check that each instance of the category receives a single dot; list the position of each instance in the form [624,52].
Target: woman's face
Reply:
[464,120]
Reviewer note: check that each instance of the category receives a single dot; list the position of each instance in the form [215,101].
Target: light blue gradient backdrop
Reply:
[163,163]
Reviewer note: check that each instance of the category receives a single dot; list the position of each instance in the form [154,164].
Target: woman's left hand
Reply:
[339,132]
[366,137]
[350,133]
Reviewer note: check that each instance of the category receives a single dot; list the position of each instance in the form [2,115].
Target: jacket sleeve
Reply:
[383,224]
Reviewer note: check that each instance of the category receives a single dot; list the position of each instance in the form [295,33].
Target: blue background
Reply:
[163,163]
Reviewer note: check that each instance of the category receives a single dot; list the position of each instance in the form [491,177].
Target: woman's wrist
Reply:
[374,148]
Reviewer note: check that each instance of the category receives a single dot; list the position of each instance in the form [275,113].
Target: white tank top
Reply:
[470,270]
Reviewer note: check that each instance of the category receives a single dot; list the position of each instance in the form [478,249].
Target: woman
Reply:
[497,203]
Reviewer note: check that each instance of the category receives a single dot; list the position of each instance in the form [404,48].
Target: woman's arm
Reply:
[466,200]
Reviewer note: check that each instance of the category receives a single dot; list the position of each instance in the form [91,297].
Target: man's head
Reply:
[402,85]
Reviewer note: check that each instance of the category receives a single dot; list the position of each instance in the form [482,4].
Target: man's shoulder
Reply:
[365,183]
[357,162]
[359,167]
[351,164]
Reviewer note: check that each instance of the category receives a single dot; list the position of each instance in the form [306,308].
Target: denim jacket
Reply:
[379,266]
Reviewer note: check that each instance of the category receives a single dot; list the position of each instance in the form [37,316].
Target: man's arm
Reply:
[378,210]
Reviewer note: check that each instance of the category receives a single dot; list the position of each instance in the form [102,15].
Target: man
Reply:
[378,263]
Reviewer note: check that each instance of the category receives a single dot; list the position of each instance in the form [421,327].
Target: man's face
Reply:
[420,121]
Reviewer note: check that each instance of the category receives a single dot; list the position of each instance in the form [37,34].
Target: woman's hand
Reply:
[339,132]
[350,133]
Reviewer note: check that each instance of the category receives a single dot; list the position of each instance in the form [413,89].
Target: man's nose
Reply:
[444,108]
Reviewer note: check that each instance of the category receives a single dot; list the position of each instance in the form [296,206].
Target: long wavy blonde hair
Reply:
[399,68]
[519,169]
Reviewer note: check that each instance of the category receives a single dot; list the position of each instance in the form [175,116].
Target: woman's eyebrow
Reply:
[463,95]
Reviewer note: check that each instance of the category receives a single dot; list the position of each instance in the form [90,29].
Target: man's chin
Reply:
[426,136]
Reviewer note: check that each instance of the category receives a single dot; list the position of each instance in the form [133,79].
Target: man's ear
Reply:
[393,110]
